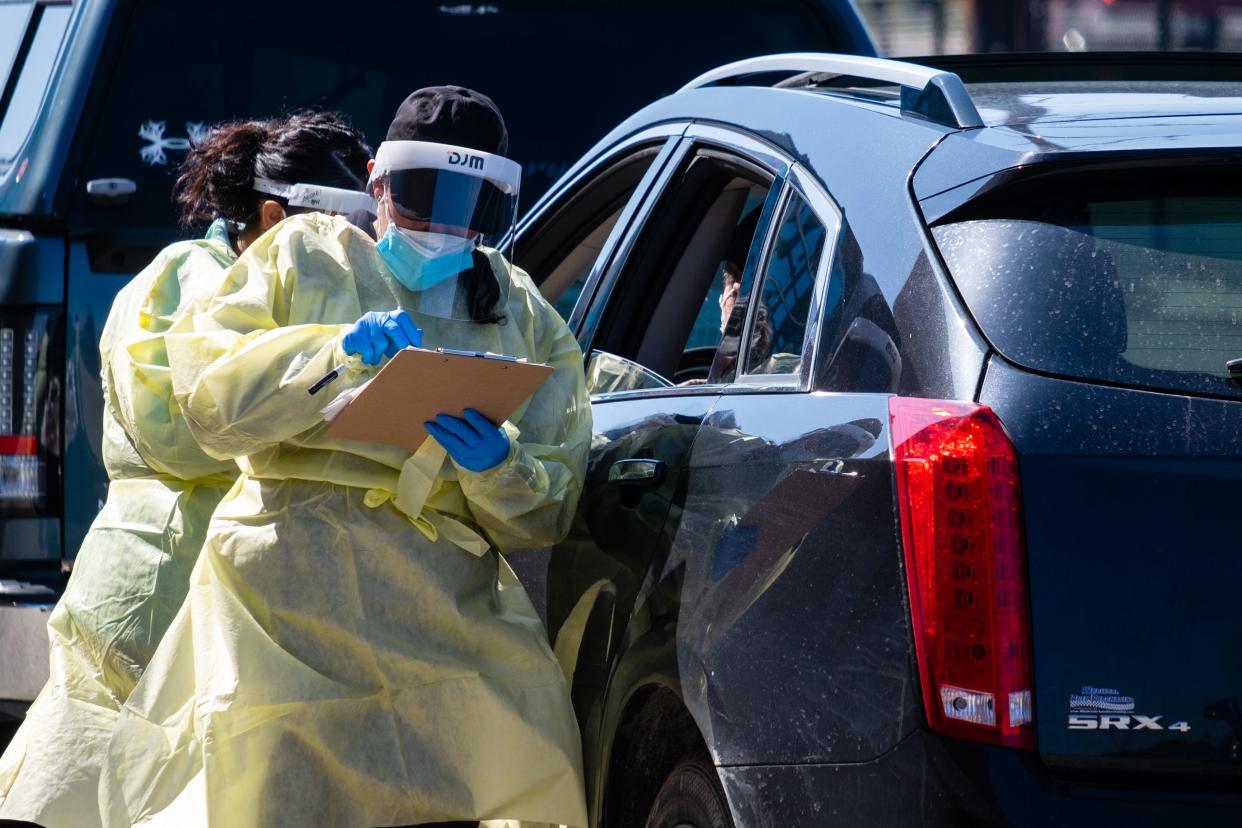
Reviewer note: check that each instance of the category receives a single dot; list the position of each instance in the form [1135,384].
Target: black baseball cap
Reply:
[451,115]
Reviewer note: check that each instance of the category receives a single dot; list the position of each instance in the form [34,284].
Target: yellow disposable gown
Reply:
[132,571]
[353,650]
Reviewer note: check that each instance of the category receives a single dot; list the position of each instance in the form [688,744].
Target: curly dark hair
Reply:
[310,147]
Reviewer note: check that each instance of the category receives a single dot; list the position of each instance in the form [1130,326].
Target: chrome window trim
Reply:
[754,290]
[649,393]
[829,214]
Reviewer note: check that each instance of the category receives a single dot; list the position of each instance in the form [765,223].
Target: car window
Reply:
[663,312]
[778,324]
[14,17]
[1133,277]
[27,83]
[561,251]
[164,89]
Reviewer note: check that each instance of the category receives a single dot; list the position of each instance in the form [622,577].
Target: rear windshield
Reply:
[564,73]
[1131,276]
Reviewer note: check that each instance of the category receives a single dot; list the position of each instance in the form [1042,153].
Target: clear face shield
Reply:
[448,216]
[336,201]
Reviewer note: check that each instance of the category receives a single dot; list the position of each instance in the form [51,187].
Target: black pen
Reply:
[327,378]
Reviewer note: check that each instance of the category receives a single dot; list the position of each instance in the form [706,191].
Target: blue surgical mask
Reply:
[422,260]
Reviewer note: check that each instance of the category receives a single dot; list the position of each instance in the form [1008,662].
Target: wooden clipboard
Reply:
[418,384]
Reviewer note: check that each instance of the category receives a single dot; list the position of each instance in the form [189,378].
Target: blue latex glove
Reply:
[474,443]
[377,335]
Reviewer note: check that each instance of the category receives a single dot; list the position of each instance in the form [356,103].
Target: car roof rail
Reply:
[1121,67]
[933,93]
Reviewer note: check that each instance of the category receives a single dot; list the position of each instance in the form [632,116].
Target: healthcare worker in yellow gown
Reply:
[132,571]
[353,650]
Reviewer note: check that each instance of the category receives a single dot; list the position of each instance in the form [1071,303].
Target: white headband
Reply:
[317,196]
[392,156]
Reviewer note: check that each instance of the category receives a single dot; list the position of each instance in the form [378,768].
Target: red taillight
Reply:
[957,486]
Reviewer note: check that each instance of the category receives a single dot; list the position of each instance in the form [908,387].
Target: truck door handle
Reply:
[110,192]
[637,472]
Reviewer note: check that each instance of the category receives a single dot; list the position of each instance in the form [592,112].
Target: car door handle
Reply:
[637,472]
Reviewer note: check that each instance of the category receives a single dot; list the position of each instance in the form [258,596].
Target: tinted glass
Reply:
[13,20]
[1132,277]
[560,85]
[32,80]
[779,322]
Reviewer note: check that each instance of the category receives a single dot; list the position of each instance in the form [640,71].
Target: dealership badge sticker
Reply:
[1105,708]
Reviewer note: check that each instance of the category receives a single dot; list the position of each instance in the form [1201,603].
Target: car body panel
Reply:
[26,260]
[1127,495]
[776,537]
[1079,101]
[730,603]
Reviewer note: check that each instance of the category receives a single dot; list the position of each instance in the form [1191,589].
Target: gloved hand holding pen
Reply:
[377,335]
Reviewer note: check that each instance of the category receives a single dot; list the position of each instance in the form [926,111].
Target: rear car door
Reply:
[791,641]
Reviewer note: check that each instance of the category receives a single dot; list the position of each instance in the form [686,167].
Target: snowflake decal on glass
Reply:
[198,132]
[155,152]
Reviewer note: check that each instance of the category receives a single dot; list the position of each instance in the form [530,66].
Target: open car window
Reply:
[562,250]
[666,308]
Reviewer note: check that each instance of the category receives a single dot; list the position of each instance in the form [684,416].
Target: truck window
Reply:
[26,78]
[14,18]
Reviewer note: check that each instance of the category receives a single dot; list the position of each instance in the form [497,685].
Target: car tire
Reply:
[691,797]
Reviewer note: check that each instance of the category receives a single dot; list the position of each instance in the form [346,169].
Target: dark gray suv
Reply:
[913,492]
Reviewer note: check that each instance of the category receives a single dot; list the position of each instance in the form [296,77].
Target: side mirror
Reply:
[609,374]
